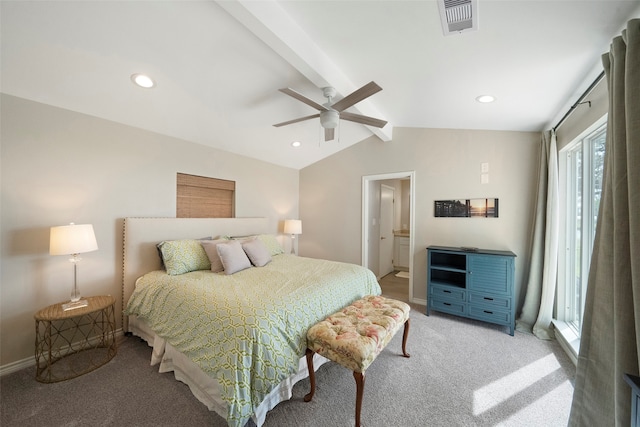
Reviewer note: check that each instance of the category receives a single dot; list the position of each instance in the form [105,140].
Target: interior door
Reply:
[386,229]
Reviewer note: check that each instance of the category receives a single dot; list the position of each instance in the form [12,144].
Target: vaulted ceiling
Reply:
[218,65]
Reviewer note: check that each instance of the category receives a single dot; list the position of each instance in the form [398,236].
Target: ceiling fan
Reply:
[330,113]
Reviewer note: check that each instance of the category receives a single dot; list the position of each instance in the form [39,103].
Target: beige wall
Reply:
[58,166]
[405,200]
[447,166]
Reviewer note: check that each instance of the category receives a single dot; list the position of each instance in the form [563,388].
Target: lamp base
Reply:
[293,244]
[75,304]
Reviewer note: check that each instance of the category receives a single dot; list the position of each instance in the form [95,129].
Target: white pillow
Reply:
[257,252]
[210,248]
[233,257]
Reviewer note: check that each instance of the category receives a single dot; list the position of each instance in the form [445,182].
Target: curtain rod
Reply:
[579,101]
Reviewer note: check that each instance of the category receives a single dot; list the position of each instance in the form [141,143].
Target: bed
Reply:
[238,340]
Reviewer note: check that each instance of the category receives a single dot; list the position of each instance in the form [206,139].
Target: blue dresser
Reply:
[473,283]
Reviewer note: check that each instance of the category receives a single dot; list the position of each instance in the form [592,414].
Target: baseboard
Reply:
[419,301]
[28,362]
[16,366]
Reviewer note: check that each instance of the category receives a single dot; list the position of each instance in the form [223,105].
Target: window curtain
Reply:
[537,310]
[611,325]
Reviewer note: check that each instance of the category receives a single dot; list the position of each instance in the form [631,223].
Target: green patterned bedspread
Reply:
[248,330]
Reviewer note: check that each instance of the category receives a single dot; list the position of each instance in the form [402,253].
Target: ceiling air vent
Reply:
[458,16]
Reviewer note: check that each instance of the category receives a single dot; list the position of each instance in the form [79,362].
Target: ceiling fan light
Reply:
[329,119]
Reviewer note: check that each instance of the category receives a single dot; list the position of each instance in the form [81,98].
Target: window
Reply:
[202,197]
[583,162]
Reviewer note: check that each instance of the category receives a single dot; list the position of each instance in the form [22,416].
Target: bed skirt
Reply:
[202,386]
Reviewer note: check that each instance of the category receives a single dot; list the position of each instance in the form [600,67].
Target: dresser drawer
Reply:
[448,306]
[489,300]
[448,292]
[490,315]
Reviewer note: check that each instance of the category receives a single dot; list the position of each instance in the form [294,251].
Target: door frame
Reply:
[367,180]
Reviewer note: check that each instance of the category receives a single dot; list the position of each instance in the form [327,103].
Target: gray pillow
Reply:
[210,248]
[257,252]
[232,256]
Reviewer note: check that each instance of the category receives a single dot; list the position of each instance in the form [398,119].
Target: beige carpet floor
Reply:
[461,373]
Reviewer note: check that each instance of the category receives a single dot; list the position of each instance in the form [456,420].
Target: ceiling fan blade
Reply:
[329,134]
[357,96]
[365,120]
[313,116]
[301,97]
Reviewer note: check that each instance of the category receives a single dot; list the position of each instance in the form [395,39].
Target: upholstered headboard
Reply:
[141,235]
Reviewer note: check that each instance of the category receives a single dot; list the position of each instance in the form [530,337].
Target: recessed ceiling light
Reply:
[143,80]
[485,99]
[296,144]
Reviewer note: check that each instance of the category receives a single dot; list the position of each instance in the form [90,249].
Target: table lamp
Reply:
[293,227]
[73,240]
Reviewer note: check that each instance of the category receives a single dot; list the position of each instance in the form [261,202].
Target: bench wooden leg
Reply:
[312,375]
[359,377]
[405,335]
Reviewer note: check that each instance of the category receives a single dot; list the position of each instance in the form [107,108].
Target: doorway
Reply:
[386,255]
[371,220]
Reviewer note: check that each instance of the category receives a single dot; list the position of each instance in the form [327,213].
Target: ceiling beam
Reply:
[268,21]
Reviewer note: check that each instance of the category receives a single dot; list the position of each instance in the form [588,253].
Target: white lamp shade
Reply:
[293,226]
[72,239]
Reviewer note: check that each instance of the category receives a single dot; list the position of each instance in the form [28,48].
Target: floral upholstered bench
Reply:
[355,336]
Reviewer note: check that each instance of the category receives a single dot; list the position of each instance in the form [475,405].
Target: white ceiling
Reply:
[218,65]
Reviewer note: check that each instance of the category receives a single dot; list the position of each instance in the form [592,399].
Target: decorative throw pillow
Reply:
[233,257]
[257,252]
[271,243]
[183,256]
[212,253]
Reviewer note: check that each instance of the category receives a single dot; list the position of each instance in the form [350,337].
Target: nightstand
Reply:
[74,342]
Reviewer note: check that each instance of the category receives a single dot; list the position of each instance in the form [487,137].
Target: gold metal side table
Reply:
[74,342]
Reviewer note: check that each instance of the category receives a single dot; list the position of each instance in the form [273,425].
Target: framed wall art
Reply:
[466,208]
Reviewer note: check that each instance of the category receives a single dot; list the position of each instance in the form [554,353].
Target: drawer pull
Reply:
[488,299]
[488,312]
[447,292]
[446,303]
